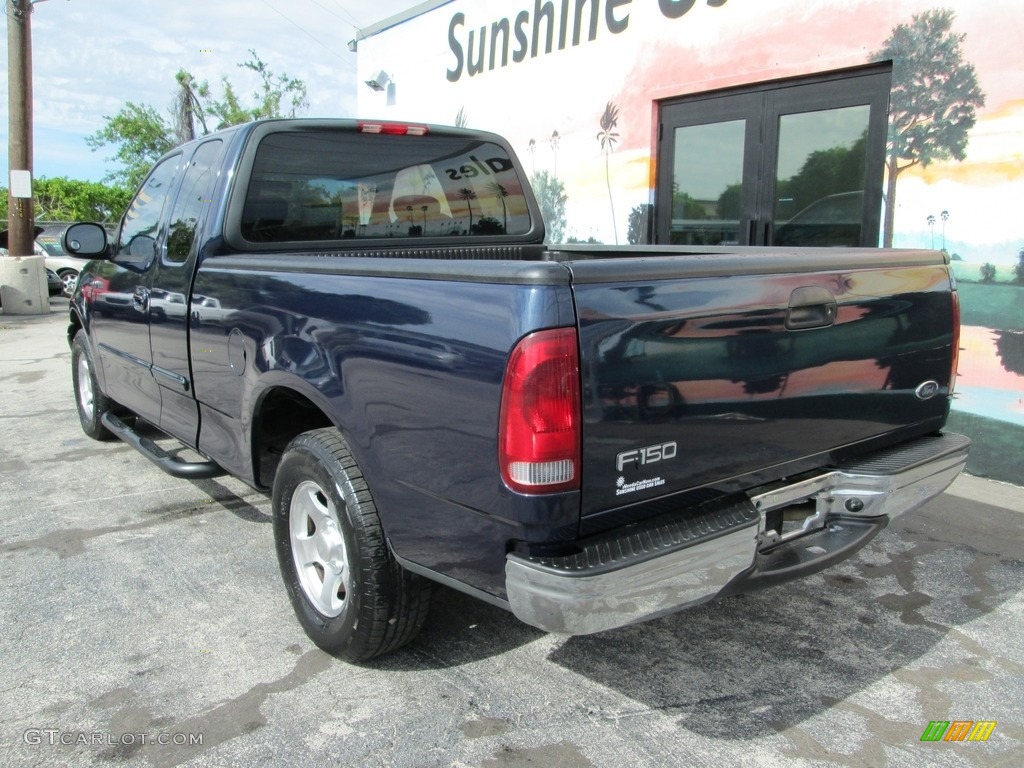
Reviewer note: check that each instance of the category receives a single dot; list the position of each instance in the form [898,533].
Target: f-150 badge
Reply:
[640,457]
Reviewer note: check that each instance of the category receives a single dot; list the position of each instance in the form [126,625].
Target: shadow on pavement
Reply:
[769,660]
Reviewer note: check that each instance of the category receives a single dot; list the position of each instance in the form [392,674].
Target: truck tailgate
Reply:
[722,371]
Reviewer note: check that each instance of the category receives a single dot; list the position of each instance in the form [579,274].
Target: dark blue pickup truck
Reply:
[362,319]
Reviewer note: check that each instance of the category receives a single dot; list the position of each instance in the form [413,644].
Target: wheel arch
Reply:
[280,413]
[76,324]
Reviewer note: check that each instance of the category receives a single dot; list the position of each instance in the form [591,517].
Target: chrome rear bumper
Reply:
[674,562]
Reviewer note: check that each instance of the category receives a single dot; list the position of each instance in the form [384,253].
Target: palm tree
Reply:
[468,195]
[501,193]
[931,226]
[533,156]
[945,217]
[555,138]
[607,136]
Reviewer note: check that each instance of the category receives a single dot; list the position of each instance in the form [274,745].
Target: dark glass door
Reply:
[708,195]
[790,164]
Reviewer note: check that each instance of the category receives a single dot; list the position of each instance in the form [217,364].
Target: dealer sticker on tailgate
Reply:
[641,457]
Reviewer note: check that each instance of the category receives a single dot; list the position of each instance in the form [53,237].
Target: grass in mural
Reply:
[992,305]
[995,450]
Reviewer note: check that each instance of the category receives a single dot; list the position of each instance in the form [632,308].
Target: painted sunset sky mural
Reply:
[583,118]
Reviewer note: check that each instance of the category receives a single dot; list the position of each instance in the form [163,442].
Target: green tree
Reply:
[551,197]
[826,172]
[638,219]
[685,206]
[141,135]
[607,136]
[1018,268]
[988,272]
[935,95]
[276,96]
[188,109]
[730,202]
[64,199]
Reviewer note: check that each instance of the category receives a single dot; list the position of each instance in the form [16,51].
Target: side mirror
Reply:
[86,240]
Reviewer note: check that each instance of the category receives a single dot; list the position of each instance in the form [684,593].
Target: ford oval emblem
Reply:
[927,389]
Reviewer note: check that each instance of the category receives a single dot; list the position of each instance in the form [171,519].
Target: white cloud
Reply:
[89,58]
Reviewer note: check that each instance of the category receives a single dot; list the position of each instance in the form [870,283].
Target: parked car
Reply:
[53,283]
[65,266]
[833,221]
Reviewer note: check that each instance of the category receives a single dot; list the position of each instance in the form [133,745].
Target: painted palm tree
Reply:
[608,137]
[501,193]
[931,226]
[945,217]
[555,138]
[469,196]
[533,156]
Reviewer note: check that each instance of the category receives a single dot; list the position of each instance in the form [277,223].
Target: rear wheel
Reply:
[89,400]
[349,594]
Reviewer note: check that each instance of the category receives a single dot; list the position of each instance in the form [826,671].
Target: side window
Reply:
[139,232]
[194,196]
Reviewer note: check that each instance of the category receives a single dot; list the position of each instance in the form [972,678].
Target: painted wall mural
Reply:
[575,85]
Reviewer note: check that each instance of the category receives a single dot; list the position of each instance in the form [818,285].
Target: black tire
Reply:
[90,402]
[350,596]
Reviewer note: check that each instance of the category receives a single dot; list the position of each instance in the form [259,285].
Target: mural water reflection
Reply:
[990,382]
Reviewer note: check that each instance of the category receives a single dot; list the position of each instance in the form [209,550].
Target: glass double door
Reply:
[793,163]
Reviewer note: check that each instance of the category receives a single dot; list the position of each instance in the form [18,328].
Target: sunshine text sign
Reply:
[551,24]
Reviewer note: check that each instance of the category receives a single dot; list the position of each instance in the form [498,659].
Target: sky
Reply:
[89,57]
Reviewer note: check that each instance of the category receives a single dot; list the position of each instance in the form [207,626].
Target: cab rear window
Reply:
[320,185]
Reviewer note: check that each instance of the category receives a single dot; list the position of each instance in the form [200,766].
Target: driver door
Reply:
[120,317]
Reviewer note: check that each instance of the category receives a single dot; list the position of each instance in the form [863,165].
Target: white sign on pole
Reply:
[21,183]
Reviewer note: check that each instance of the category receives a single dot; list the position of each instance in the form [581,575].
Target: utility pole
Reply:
[20,216]
[23,289]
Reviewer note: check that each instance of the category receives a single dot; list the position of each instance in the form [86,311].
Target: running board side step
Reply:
[172,465]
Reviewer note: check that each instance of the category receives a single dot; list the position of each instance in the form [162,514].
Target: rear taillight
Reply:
[956,340]
[539,429]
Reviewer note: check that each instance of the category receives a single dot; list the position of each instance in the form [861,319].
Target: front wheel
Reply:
[68,280]
[349,594]
[89,400]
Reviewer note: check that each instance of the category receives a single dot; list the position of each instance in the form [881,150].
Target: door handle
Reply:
[811,307]
[140,299]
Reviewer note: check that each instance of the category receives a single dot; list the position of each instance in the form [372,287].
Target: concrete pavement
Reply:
[143,622]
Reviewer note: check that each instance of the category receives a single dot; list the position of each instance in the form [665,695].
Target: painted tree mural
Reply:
[550,193]
[608,137]
[934,100]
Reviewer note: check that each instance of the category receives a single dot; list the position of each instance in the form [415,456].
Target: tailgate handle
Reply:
[811,307]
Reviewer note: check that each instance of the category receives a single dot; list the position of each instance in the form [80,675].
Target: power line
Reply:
[302,29]
[355,22]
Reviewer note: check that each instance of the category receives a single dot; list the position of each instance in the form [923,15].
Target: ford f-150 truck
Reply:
[362,319]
